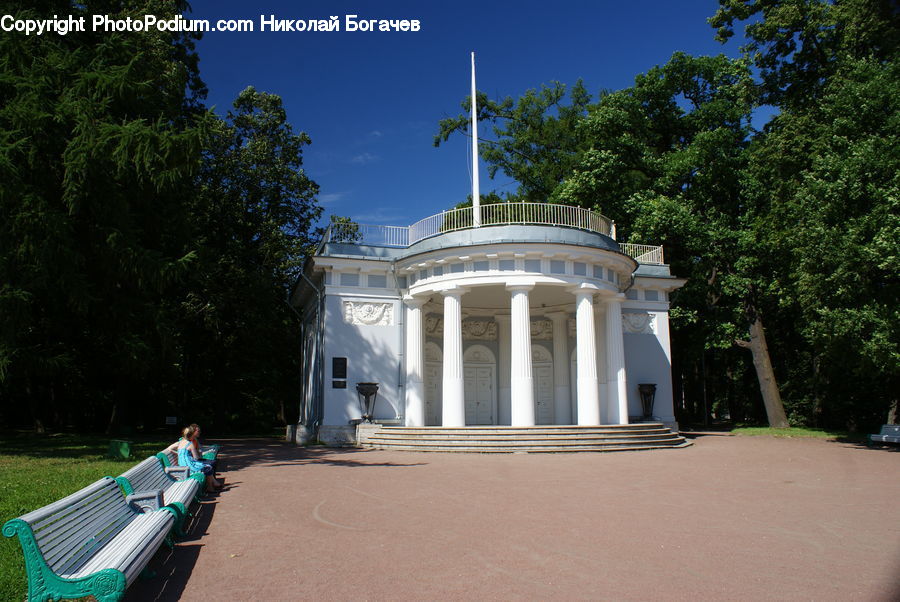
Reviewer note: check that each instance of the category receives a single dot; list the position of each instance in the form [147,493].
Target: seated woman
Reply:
[189,455]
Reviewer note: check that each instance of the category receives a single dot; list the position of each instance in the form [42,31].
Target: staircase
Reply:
[535,439]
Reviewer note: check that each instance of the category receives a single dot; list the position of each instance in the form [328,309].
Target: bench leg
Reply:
[107,585]
[181,515]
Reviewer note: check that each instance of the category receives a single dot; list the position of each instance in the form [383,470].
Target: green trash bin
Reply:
[119,449]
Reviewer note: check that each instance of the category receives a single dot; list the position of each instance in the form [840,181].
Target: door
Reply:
[434,377]
[479,388]
[543,393]
[542,379]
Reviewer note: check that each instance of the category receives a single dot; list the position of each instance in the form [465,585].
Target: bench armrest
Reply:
[146,501]
[179,473]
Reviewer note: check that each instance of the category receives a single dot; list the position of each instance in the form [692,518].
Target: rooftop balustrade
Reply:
[499,214]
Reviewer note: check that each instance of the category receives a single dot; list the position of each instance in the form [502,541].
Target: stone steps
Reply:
[539,439]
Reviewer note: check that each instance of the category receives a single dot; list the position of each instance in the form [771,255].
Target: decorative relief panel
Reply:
[479,330]
[542,330]
[472,330]
[478,354]
[368,314]
[573,328]
[639,323]
[434,326]
[539,355]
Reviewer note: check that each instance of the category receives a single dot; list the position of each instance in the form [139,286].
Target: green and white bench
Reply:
[890,433]
[177,487]
[91,543]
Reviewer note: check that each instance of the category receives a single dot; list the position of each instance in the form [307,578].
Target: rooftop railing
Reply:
[643,253]
[499,214]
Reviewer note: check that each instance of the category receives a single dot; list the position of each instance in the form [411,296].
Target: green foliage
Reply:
[534,142]
[147,247]
[253,216]
[799,45]
[96,154]
[343,229]
[836,212]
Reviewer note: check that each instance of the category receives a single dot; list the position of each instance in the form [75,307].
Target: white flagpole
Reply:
[476,200]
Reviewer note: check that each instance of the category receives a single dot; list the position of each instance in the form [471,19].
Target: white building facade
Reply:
[536,317]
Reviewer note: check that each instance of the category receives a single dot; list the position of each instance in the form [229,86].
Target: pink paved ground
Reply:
[745,518]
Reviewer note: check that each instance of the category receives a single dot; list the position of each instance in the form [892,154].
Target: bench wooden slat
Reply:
[35,516]
[69,549]
[93,524]
[126,553]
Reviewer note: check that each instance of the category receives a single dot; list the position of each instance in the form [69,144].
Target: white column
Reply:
[561,390]
[521,380]
[588,393]
[415,363]
[600,327]
[505,393]
[454,407]
[615,361]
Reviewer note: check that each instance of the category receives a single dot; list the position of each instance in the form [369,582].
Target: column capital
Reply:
[453,291]
[515,285]
[584,288]
[502,318]
[615,298]
[414,302]
[557,315]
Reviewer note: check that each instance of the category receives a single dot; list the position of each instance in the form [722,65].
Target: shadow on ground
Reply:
[170,569]
[242,453]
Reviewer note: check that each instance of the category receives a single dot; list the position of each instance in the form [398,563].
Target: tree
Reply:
[254,216]
[798,45]
[97,150]
[664,158]
[536,138]
[827,165]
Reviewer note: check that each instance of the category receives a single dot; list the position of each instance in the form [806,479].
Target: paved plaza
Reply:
[729,518]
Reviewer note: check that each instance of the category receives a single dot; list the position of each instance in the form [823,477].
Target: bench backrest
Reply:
[890,429]
[168,458]
[68,532]
[148,475]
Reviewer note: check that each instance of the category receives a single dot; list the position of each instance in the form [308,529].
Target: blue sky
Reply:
[371,101]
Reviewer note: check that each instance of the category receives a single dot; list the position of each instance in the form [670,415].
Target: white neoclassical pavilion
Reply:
[536,317]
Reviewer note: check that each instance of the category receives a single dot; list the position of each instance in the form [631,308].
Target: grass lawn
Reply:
[36,470]
[754,431]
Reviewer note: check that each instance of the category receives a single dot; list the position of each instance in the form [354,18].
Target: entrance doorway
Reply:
[433,381]
[542,376]
[480,374]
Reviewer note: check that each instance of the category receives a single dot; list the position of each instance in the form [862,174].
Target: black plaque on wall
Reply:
[338,367]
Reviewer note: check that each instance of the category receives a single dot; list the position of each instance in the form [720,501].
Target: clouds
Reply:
[364,158]
[393,216]
[331,197]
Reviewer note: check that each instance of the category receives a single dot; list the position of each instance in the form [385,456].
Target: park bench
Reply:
[177,487]
[890,433]
[91,543]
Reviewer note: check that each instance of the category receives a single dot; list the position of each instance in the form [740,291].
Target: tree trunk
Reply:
[765,374]
[113,419]
[892,412]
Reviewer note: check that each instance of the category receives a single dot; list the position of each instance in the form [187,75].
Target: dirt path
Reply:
[740,518]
